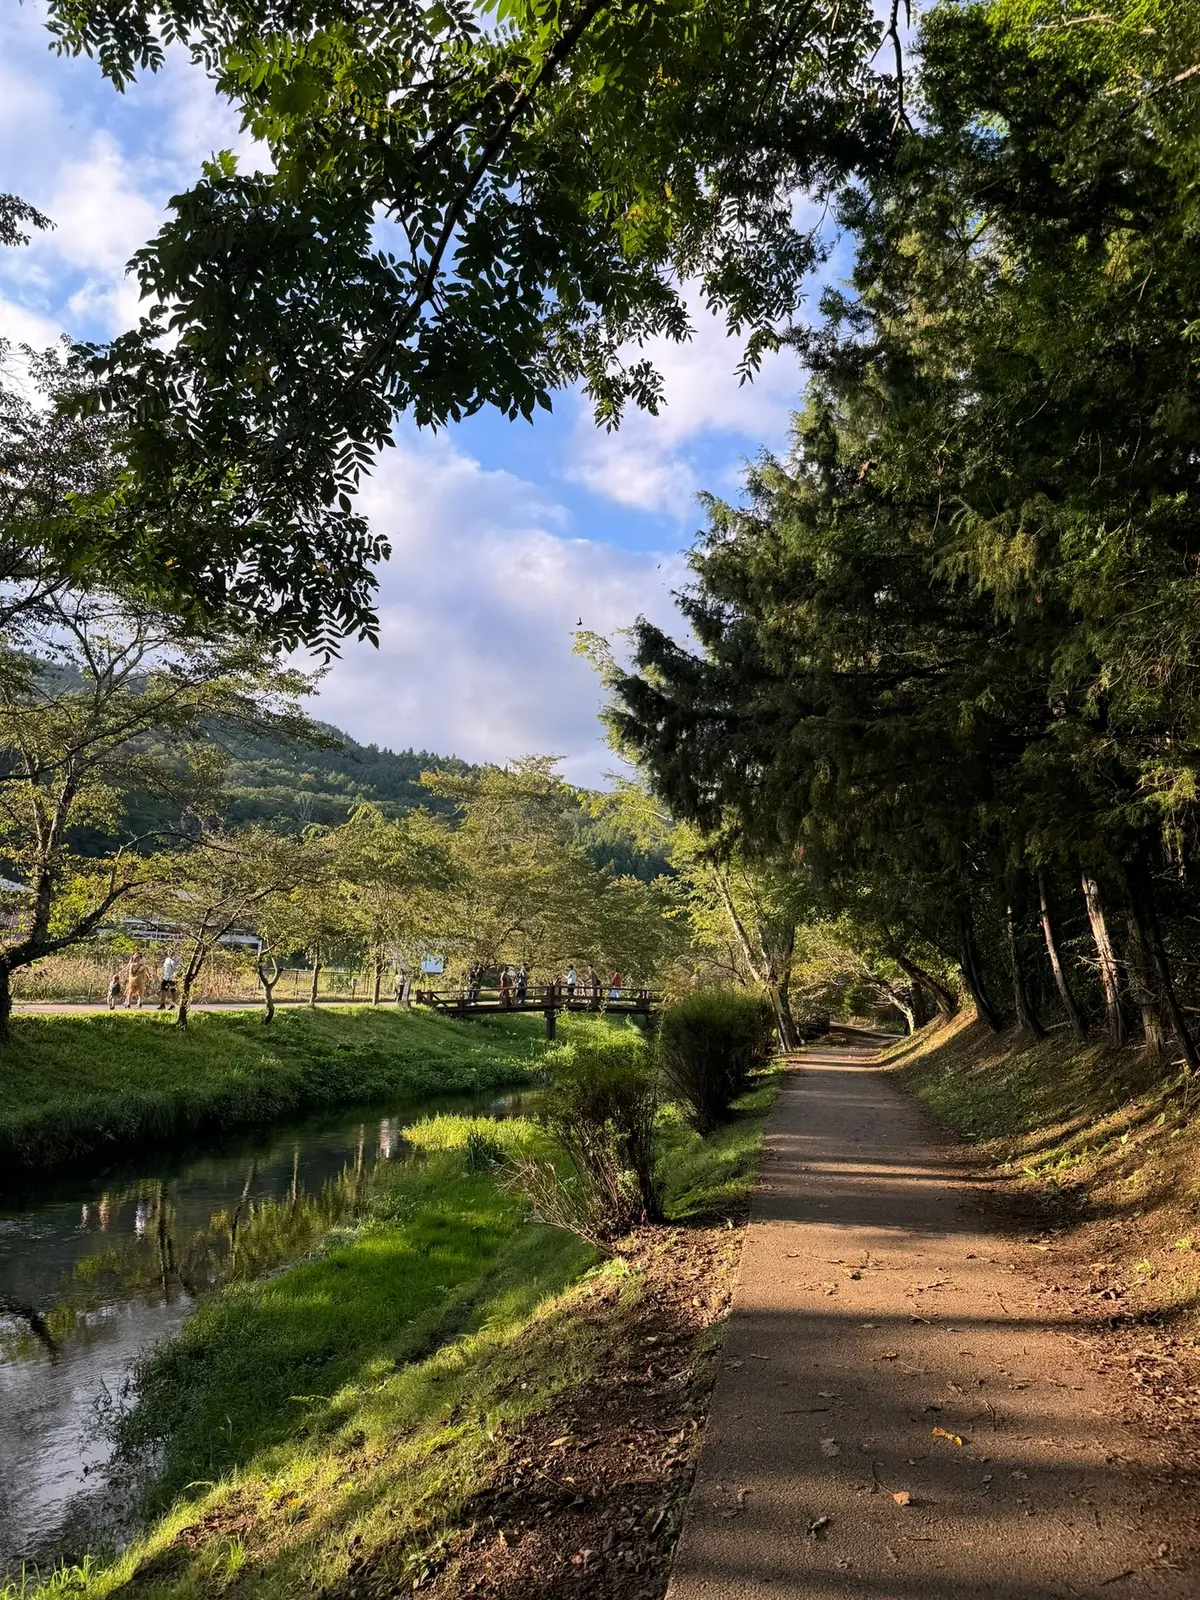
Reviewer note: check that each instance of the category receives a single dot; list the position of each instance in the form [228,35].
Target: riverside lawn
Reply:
[96,1087]
[337,1429]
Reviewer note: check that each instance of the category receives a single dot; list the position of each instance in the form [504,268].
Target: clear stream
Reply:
[95,1270]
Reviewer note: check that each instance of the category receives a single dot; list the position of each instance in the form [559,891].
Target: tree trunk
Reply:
[1069,1003]
[1110,972]
[316,977]
[190,973]
[1023,1005]
[923,1008]
[377,976]
[945,1002]
[973,974]
[784,1025]
[1141,894]
[1140,974]
[268,987]
[5,1003]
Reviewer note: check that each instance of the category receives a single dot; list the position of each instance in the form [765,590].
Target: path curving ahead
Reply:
[880,1318]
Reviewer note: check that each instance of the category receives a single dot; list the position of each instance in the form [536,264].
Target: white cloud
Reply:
[650,462]
[21,326]
[477,611]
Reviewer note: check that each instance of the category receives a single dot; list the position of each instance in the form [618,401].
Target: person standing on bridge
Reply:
[593,986]
[506,978]
[522,987]
[614,986]
[572,980]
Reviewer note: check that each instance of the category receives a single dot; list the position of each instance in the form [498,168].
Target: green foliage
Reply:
[549,183]
[524,885]
[247,1368]
[710,1042]
[82,1088]
[600,1108]
[714,1175]
[947,647]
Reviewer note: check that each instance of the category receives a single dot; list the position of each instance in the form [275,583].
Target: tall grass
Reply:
[80,976]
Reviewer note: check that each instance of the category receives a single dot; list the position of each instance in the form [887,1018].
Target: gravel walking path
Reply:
[903,1413]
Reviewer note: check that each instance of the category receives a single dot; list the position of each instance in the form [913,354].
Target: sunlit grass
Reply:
[340,1416]
[74,1086]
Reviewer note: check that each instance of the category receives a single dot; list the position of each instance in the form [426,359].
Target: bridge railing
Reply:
[537,997]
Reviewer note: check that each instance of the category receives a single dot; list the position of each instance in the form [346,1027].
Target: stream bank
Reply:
[96,1272]
[566,1387]
[95,1090]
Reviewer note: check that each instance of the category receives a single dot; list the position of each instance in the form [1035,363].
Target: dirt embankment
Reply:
[1093,1155]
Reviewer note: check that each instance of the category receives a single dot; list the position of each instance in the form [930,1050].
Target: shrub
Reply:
[600,1108]
[709,1043]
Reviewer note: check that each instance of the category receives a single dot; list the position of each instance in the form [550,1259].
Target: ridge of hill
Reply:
[291,783]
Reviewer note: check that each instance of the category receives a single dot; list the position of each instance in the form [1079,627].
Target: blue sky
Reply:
[504,533]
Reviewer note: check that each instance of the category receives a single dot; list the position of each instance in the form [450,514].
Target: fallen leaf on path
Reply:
[741,1496]
[828,1394]
[819,1528]
[890,1355]
[735,1363]
[853,1272]
[902,1497]
[940,1433]
[830,1447]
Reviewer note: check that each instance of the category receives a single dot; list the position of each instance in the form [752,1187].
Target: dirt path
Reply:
[888,1340]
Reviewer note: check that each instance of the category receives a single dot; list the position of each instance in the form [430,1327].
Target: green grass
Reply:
[76,1088]
[714,1175]
[1019,1094]
[339,1417]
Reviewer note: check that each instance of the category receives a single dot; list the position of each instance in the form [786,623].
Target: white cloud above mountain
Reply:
[478,607]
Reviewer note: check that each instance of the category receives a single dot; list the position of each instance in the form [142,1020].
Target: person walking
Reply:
[614,986]
[168,989]
[572,980]
[506,977]
[593,987]
[115,984]
[522,986]
[135,980]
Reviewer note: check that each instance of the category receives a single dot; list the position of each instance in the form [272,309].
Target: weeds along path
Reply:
[902,1412]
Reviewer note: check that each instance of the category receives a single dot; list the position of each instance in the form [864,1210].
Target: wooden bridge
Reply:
[549,999]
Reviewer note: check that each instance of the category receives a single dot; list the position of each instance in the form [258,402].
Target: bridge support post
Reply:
[551,1010]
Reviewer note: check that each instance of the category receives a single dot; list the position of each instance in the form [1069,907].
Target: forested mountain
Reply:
[288,784]
[271,781]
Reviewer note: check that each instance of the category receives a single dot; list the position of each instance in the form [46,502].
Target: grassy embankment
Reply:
[1096,1143]
[80,1088]
[333,1426]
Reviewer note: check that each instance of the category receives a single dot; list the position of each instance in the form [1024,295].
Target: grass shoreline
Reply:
[98,1088]
[377,1397]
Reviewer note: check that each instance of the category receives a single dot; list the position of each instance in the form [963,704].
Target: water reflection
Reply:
[93,1275]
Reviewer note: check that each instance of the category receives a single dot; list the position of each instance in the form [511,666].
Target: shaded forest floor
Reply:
[1095,1154]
